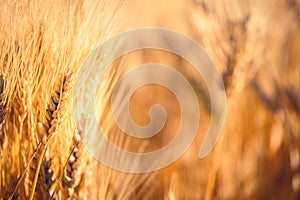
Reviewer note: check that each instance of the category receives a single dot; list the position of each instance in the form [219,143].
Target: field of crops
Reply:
[255,45]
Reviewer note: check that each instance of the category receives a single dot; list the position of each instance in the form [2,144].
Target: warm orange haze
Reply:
[254,45]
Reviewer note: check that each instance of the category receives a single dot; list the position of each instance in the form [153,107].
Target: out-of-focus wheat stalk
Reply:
[254,45]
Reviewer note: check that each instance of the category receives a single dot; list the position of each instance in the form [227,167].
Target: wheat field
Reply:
[254,44]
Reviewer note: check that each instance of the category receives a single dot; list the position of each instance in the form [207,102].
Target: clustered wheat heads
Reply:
[39,42]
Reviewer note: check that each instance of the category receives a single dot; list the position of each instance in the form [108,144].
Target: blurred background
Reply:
[255,45]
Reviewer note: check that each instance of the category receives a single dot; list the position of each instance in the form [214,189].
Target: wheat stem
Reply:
[43,151]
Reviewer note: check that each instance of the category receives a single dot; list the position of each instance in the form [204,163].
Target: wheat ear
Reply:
[72,172]
[47,129]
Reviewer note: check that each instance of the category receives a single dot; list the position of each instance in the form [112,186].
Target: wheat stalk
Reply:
[24,171]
